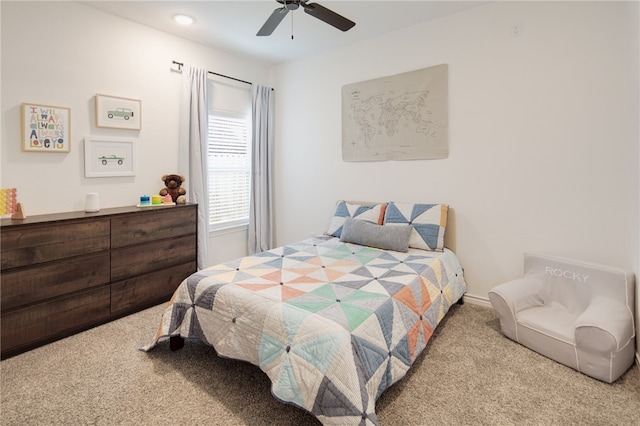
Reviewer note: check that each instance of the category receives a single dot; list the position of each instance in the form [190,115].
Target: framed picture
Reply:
[118,113]
[107,157]
[46,128]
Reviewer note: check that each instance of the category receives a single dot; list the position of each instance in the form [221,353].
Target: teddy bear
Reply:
[172,187]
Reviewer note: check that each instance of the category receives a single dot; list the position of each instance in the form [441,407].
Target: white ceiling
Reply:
[232,25]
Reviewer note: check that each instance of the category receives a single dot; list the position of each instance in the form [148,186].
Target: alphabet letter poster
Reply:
[45,128]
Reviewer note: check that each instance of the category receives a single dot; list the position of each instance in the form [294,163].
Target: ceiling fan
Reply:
[313,9]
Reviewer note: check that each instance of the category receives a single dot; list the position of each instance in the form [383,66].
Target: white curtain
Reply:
[261,204]
[192,155]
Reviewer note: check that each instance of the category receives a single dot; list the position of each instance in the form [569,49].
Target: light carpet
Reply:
[469,374]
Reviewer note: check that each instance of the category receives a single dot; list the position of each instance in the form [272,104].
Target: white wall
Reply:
[539,135]
[62,54]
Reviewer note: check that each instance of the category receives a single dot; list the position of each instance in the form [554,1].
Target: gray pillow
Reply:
[368,234]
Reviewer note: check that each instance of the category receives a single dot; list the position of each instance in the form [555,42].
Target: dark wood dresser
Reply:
[67,272]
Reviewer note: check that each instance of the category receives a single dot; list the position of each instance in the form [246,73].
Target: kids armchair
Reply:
[578,314]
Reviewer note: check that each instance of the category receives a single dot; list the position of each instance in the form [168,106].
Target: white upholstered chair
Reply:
[576,313]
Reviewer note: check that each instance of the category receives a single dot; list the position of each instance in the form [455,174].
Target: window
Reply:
[229,169]
[229,156]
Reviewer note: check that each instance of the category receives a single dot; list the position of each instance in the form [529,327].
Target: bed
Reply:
[333,320]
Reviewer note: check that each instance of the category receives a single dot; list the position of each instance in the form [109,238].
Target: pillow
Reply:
[372,235]
[429,223]
[373,213]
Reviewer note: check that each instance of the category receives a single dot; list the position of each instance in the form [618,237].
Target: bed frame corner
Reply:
[176,343]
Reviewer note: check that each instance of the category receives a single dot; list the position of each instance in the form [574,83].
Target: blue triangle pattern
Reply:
[341,210]
[393,215]
[418,209]
[330,401]
[371,356]
[429,233]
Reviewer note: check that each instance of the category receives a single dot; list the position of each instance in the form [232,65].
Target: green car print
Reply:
[105,159]
[125,113]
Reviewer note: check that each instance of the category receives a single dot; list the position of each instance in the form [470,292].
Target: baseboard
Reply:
[476,300]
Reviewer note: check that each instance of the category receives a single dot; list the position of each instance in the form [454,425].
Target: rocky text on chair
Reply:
[557,272]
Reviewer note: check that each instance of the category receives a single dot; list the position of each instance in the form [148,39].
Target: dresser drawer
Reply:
[25,286]
[52,319]
[136,260]
[149,289]
[29,245]
[166,222]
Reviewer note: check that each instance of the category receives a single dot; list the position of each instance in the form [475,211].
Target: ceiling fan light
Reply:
[183,19]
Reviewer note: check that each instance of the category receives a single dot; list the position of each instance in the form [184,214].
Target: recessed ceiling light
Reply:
[183,19]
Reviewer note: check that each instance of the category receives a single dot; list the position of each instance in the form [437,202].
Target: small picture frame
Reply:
[108,157]
[46,128]
[118,113]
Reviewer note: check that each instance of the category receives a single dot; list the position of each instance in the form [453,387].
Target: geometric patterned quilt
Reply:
[332,324]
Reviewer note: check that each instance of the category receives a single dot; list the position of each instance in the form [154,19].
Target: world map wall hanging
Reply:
[399,117]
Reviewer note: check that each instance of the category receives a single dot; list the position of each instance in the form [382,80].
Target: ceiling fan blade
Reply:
[272,22]
[328,16]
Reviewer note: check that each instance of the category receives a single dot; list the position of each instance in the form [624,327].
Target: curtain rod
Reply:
[180,65]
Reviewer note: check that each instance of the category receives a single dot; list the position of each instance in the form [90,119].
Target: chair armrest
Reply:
[519,294]
[508,298]
[605,326]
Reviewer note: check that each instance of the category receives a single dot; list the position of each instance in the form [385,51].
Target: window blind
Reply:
[229,170]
